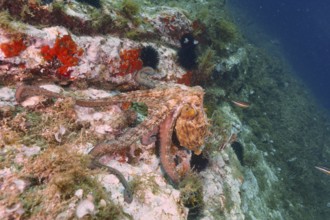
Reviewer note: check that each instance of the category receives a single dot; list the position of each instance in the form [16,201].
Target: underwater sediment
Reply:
[215,136]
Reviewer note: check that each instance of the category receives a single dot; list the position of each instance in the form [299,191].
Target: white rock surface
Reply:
[163,203]
[7,96]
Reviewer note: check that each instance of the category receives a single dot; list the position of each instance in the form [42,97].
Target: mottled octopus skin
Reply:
[165,143]
[164,110]
[191,125]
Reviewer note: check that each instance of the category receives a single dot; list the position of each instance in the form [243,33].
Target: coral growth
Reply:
[66,51]
[13,48]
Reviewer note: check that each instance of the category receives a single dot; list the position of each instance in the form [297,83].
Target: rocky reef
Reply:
[99,120]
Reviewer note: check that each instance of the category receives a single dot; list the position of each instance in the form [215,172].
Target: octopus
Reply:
[173,109]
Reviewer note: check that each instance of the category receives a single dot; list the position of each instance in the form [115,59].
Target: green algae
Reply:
[130,8]
[191,194]
[140,107]
[223,33]
[229,203]
[54,175]
[205,67]
[102,22]
[60,173]
[5,21]
[140,183]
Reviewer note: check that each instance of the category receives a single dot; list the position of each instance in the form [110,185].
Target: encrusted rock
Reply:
[85,207]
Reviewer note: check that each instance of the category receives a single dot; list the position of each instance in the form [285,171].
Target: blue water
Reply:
[303,29]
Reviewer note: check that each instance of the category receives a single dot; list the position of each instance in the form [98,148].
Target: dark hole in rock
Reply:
[239,151]
[197,162]
[195,213]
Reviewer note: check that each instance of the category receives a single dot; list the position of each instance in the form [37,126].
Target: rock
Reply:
[85,207]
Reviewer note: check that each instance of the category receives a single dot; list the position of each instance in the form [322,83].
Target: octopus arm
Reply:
[165,142]
[145,96]
[151,137]
[25,91]
[131,135]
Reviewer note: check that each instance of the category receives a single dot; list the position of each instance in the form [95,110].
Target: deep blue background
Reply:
[303,28]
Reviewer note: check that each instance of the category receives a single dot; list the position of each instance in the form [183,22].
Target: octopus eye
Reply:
[188,111]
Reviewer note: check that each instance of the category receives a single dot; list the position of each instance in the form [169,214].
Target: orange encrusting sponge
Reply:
[13,48]
[66,51]
[130,62]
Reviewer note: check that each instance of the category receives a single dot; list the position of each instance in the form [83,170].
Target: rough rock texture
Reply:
[100,61]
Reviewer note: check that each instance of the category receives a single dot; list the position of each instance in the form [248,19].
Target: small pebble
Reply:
[79,193]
